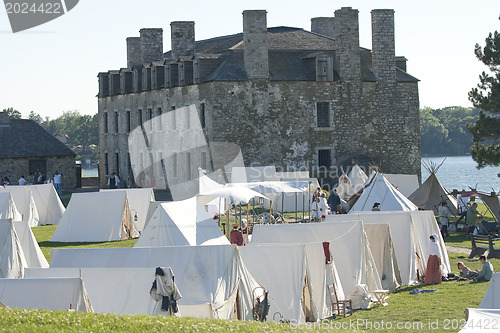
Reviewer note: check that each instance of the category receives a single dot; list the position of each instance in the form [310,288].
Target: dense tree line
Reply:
[444,131]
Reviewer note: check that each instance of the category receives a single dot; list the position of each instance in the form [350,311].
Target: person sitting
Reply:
[487,271]
[465,272]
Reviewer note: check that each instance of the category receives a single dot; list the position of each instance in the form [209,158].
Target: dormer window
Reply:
[324,68]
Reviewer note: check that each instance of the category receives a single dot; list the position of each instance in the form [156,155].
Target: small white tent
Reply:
[96,217]
[138,201]
[380,190]
[45,294]
[406,184]
[348,242]
[357,177]
[48,204]
[295,276]
[32,252]
[180,223]
[344,188]
[8,208]
[211,278]
[12,260]
[206,184]
[25,203]
[491,299]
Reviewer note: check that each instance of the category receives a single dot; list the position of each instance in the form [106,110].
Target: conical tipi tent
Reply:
[345,189]
[431,193]
[357,177]
[381,191]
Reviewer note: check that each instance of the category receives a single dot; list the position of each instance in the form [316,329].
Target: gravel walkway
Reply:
[457,249]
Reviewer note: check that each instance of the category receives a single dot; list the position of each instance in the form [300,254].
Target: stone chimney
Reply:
[323,26]
[256,57]
[347,43]
[151,45]
[383,45]
[133,51]
[182,39]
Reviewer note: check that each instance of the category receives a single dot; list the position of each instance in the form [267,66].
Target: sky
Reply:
[53,68]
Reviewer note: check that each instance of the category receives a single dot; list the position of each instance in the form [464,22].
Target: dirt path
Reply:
[457,249]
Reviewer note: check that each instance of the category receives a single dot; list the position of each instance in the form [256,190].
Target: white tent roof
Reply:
[282,270]
[12,260]
[235,194]
[208,277]
[481,320]
[180,223]
[96,217]
[406,184]
[491,299]
[410,233]
[344,188]
[267,187]
[382,191]
[32,252]
[206,184]
[253,174]
[48,204]
[348,243]
[8,208]
[358,177]
[25,203]
[138,201]
[45,294]
[430,194]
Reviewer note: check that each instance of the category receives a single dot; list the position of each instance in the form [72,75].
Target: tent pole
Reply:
[227,216]
[309,200]
[296,208]
[270,211]
[303,208]
[282,203]
[240,214]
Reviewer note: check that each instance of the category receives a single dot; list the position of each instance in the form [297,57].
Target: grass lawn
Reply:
[432,312]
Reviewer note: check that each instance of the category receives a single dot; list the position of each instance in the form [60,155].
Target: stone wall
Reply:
[14,168]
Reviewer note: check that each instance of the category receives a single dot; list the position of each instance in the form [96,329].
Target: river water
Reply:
[460,172]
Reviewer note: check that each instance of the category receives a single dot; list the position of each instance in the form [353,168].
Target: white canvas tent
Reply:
[45,294]
[8,208]
[25,203]
[235,194]
[110,290]
[430,195]
[31,250]
[381,191]
[491,299]
[206,184]
[357,177]
[138,202]
[296,277]
[344,188]
[493,203]
[384,254]
[96,217]
[48,204]
[481,320]
[12,260]
[348,242]
[211,278]
[410,233]
[180,223]
[253,174]
[406,184]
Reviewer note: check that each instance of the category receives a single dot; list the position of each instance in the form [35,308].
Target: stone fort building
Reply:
[301,100]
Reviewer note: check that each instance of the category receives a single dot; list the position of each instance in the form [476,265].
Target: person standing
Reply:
[41,178]
[433,269]
[472,218]
[333,201]
[113,181]
[444,215]
[57,183]
[323,207]
[22,181]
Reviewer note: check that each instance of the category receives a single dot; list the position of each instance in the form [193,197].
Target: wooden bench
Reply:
[493,252]
[479,245]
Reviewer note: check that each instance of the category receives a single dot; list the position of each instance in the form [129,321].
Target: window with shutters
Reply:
[324,158]
[323,114]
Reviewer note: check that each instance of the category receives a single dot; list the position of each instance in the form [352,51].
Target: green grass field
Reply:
[433,312]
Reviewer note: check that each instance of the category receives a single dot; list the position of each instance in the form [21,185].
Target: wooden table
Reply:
[381,297]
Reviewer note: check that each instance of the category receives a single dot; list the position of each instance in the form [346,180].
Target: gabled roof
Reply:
[25,138]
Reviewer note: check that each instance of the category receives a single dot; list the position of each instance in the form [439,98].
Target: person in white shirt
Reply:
[22,181]
[57,182]
[323,207]
[315,209]
[444,215]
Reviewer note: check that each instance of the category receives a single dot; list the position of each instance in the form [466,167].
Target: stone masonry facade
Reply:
[317,105]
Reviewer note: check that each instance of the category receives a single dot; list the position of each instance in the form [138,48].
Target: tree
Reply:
[35,117]
[12,113]
[486,96]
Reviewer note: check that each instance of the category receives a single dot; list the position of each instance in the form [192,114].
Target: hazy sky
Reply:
[53,67]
